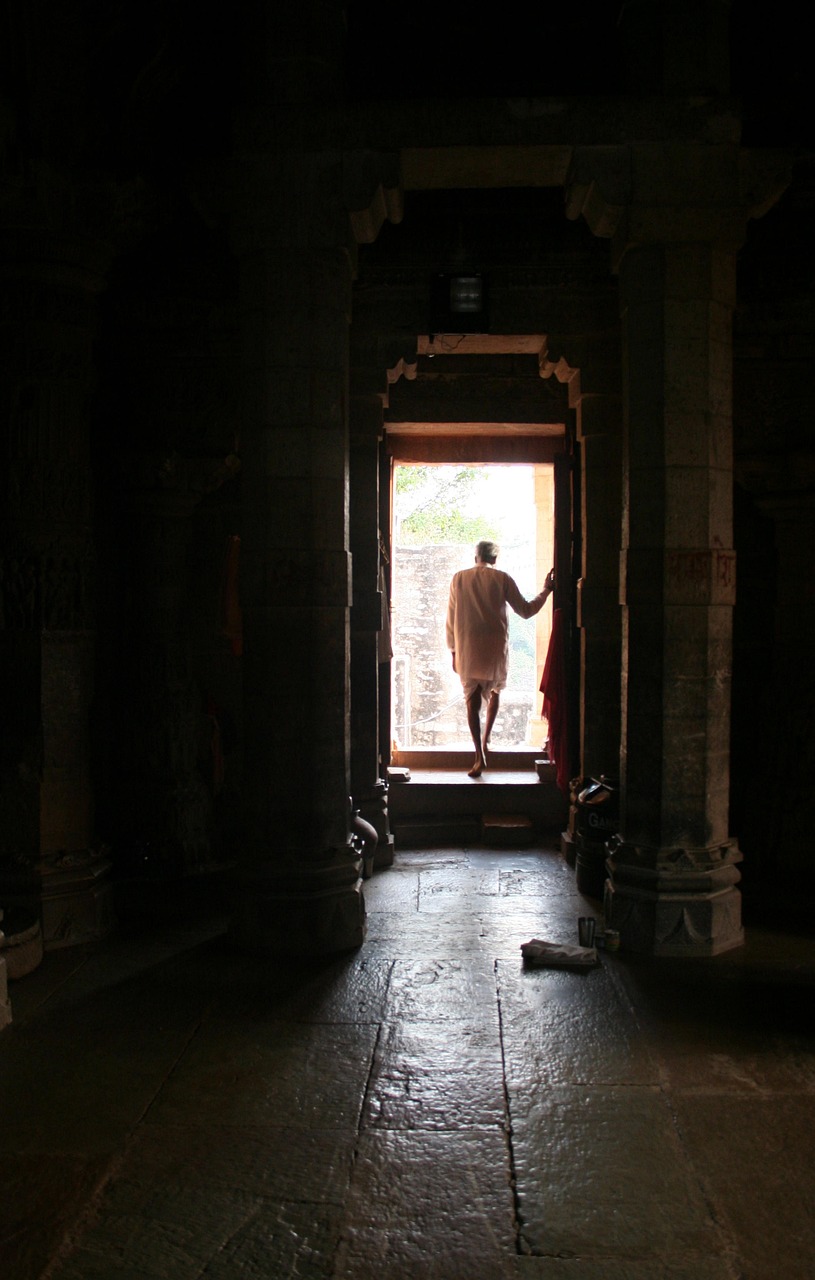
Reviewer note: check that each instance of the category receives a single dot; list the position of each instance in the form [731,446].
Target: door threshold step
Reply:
[493,831]
[501,829]
[423,833]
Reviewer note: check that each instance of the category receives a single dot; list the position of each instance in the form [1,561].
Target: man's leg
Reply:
[474,724]
[489,720]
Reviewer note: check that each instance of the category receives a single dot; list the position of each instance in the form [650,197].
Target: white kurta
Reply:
[478,624]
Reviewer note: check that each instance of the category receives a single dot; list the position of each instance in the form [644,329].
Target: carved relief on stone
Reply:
[19,593]
[48,491]
[675,924]
[49,591]
[64,592]
[677,867]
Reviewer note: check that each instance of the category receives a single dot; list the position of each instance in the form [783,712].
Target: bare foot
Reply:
[477,768]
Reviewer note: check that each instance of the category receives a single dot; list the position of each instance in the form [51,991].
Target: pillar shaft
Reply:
[599,429]
[48,863]
[368,787]
[674,870]
[161,804]
[299,888]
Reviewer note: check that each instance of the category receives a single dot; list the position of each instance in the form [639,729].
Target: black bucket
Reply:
[597,821]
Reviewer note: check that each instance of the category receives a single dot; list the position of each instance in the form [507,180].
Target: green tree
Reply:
[428,506]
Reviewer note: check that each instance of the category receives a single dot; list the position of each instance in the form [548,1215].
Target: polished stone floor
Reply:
[424,1109]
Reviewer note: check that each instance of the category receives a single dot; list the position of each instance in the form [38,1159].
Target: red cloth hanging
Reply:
[553,688]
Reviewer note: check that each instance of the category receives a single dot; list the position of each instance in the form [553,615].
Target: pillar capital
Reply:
[673,192]
[372,192]
[308,199]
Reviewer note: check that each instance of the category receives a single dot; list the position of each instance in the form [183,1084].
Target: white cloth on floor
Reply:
[558,955]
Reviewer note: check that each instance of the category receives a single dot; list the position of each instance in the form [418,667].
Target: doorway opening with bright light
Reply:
[440,512]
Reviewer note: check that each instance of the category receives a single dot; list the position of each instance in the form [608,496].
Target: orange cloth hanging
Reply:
[553,688]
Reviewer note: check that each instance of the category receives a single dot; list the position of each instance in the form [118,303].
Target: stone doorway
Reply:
[439,510]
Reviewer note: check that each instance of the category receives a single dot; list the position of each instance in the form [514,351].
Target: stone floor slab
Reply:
[442,1076]
[352,989]
[41,1200]
[434,988]
[254,1161]
[91,1090]
[601,1173]
[755,1157]
[427,1204]
[425,1108]
[693,1268]
[565,1027]
[280,1073]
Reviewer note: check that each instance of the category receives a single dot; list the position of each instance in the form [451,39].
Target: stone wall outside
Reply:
[422,660]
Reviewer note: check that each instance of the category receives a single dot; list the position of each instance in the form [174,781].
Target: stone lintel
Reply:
[310,909]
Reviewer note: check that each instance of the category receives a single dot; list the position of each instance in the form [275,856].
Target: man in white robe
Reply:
[478,635]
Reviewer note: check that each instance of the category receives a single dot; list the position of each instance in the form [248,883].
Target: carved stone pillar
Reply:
[593,376]
[49,865]
[163,809]
[599,429]
[299,882]
[368,787]
[678,215]
[673,875]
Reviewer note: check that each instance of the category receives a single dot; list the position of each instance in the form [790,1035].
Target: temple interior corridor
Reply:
[424,1107]
[254,259]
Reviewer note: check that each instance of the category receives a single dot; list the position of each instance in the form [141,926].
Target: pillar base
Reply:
[674,902]
[374,809]
[568,848]
[76,899]
[21,948]
[308,910]
[71,893]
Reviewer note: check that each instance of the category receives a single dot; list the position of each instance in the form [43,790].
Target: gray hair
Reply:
[487,551]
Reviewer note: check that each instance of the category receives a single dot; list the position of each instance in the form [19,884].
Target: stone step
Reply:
[442,832]
[436,795]
[499,830]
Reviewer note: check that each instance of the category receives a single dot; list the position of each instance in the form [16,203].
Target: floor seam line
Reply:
[360,1126]
[508,1131]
